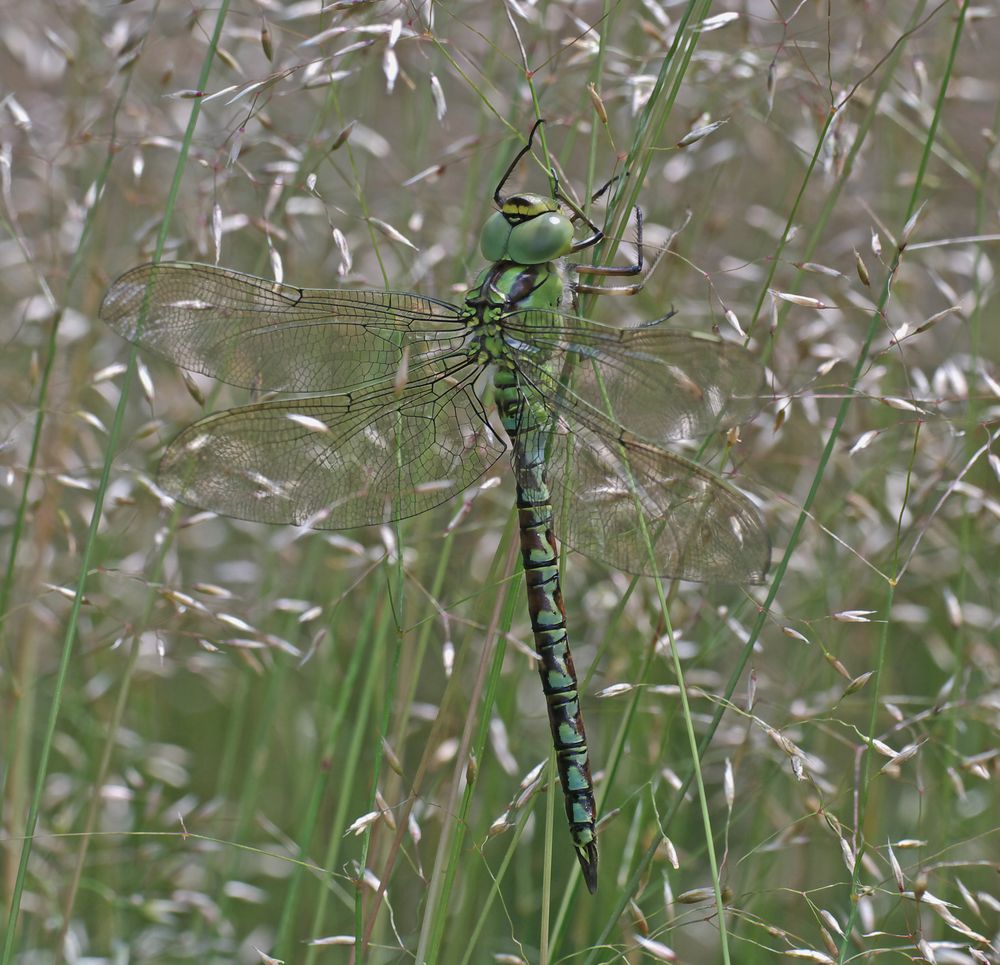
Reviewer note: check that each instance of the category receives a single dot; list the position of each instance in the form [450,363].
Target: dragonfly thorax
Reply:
[508,286]
[504,289]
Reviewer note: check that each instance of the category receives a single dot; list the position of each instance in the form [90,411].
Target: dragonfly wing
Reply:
[662,383]
[647,511]
[259,334]
[336,461]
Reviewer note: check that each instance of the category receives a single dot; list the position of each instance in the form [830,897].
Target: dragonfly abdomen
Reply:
[529,424]
[529,431]
[540,557]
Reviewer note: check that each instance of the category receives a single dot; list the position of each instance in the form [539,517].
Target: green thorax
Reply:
[506,286]
[501,289]
[525,241]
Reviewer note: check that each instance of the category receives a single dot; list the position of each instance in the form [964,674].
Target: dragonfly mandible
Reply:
[395,424]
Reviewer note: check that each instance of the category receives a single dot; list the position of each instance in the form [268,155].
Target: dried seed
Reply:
[265,40]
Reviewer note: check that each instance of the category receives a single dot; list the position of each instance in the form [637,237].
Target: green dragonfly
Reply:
[585,409]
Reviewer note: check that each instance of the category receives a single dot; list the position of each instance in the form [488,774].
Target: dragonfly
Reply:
[389,421]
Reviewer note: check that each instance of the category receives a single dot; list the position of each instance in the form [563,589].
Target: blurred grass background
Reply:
[189,745]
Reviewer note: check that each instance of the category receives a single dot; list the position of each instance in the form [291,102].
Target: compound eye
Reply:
[494,239]
[540,239]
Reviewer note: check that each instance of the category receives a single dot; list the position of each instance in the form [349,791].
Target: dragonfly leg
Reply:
[596,234]
[632,289]
[513,164]
[606,271]
[607,184]
[658,321]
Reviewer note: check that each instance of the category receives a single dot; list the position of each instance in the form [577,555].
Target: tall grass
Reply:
[222,741]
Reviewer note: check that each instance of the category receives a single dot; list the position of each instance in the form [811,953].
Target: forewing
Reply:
[648,511]
[660,383]
[337,461]
[259,334]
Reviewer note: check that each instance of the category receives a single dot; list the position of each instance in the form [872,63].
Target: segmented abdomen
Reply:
[540,556]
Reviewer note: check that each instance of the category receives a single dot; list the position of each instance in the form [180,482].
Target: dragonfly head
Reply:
[528,229]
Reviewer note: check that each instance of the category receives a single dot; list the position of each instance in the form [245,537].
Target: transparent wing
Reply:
[610,489]
[661,383]
[614,395]
[337,461]
[255,333]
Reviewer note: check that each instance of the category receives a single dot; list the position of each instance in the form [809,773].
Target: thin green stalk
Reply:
[833,195]
[820,225]
[693,746]
[343,688]
[410,672]
[545,905]
[89,546]
[876,319]
[775,584]
[649,127]
[453,831]
[96,798]
[696,754]
[399,601]
[383,736]
[19,749]
[347,774]
[613,758]
[413,792]
[472,947]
